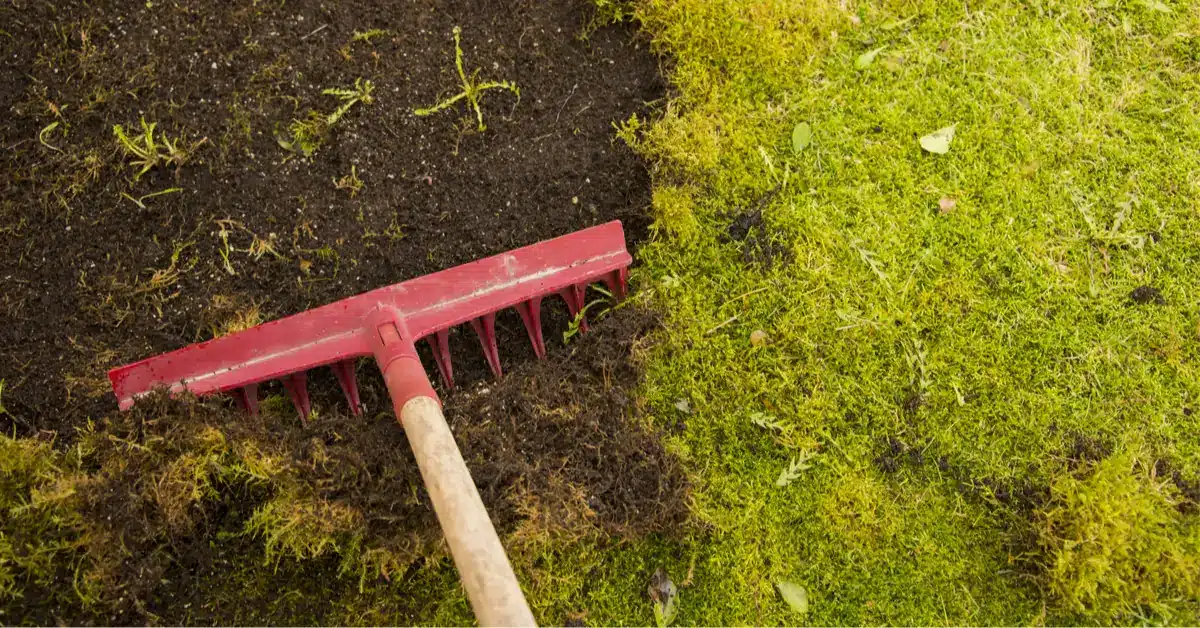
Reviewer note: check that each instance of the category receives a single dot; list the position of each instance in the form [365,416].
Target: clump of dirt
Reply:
[1189,490]
[1147,295]
[1086,450]
[556,448]
[103,264]
[760,246]
[560,430]
[896,453]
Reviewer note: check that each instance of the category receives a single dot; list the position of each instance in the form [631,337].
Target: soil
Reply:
[1147,295]
[93,278]
[100,267]
[760,246]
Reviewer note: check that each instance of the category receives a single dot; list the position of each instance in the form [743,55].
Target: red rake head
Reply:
[424,307]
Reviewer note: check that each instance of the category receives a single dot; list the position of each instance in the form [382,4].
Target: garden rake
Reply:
[385,324]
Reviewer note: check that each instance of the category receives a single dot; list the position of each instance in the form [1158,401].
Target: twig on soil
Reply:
[564,103]
[138,201]
[315,31]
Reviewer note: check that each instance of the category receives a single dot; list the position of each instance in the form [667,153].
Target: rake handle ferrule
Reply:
[398,359]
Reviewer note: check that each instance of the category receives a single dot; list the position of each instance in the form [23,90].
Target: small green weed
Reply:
[472,88]
[45,133]
[305,136]
[576,324]
[146,152]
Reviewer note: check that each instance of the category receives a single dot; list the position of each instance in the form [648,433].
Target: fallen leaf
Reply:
[794,594]
[867,58]
[664,595]
[758,338]
[801,137]
[946,205]
[893,63]
[939,141]
[683,406]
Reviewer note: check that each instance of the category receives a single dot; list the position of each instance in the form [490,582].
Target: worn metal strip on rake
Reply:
[386,323]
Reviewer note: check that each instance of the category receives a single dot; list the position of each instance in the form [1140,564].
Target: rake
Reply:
[386,323]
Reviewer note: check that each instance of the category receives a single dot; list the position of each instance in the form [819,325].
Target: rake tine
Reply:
[440,344]
[485,328]
[573,295]
[531,315]
[246,398]
[344,371]
[296,386]
[617,282]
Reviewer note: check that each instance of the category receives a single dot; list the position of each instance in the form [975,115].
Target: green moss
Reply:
[674,211]
[1118,547]
[39,532]
[972,307]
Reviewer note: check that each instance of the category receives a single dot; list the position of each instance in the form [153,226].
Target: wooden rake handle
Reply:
[482,564]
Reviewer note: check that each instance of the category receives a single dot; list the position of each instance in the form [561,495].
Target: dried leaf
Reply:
[867,58]
[683,406]
[664,595]
[946,205]
[794,594]
[758,338]
[939,141]
[801,137]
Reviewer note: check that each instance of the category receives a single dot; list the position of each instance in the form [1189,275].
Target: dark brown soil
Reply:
[87,277]
[760,246]
[1147,295]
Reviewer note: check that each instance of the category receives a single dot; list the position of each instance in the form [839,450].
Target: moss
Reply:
[972,306]
[39,532]
[1116,546]
[300,527]
[674,212]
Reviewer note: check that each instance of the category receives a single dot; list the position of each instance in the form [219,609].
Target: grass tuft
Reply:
[145,151]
